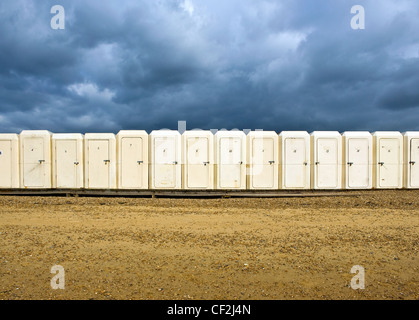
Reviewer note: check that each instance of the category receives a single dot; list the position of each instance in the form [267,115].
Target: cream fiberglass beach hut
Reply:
[411,159]
[388,160]
[100,161]
[357,164]
[326,160]
[165,159]
[67,160]
[198,159]
[262,160]
[35,159]
[132,154]
[9,160]
[230,153]
[294,148]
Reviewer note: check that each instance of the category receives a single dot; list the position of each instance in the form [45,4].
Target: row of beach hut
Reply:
[199,159]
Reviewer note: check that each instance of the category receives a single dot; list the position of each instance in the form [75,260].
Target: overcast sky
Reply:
[246,64]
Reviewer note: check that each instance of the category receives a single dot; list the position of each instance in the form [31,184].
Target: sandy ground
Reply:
[288,248]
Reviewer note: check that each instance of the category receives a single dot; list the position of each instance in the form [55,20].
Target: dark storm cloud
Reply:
[273,65]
